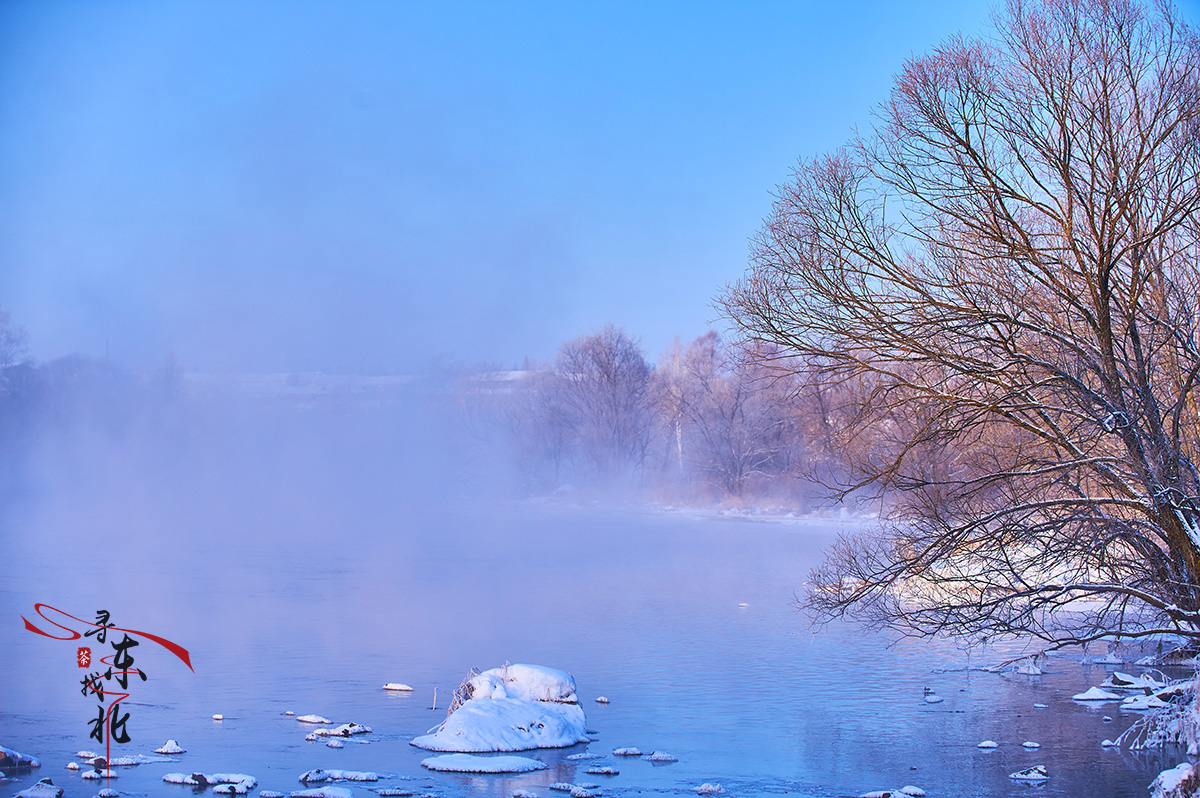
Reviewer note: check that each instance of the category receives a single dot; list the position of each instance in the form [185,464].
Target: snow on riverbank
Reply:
[513,708]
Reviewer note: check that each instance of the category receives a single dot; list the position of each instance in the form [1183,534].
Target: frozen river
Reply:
[684,622]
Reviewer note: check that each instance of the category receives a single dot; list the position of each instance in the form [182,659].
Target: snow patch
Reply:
[467,763]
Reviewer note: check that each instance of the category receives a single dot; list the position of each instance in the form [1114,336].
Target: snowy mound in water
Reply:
[1096,694]
[1174,783]
[465,763]
[169,747]
[514,708]
[43,789]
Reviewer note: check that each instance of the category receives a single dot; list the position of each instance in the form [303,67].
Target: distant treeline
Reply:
[703,426]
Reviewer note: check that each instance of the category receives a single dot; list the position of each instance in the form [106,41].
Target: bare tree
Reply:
[601,392]
[734,419]
[1003,281]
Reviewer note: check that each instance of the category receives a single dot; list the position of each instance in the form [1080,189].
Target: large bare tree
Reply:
[1002,281]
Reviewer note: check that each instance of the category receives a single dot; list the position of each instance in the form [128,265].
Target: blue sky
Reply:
[368,186]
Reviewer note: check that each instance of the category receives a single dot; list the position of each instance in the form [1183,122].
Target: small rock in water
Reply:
[269,794]
[601,700]
[170,747]
[1106,743]
[627,752]
[562,786]
[1030,744]
[398,687]
[289,712]
[1039,706]
[312,738]
[314,776]
[72,766]
[582,792]
[397,791]
[604,770]
[587,785]
[524,794]
[708,789]
[577,757]
[1035,773]
[988,744]
[99,774]
[313,719]
[108,792]
[932,697]
[335,744]
[218,717]
[661,756]
[1106,719]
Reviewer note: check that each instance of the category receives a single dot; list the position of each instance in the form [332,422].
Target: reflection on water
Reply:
[686,624]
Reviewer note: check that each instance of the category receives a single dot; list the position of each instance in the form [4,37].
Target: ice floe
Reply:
[323,792]
[313,719]
[988,744]
[45,788]
[514,708]
[468,763]
[170,747]
[1035,773]
[398,687]
[1095,694]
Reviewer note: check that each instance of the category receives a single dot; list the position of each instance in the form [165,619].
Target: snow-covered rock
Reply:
[345,730]
[1030,744]
[269,794]
[335,744]
[585,755]
[1178,782]
[170,747]
[932,697]
[708,789]
[912,790]
[661,756]
[515,708]
[562,786]
[72,766]
[467,763]
[15,762]
[108,792]
[218,717]
[1107,743]
[1125,681]
[579,791]
[988,744]
[313,719]
[1035,773]
[627,752]
[1096,694]
[99,774]
[44,788]
[604,770]
[397,687]
[1039,706]
[1143,702]
[601,700]
[524,794]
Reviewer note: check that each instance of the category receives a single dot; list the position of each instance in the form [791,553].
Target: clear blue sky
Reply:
[362,186]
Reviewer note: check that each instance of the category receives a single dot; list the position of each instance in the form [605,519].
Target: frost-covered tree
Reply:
[1002,281]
